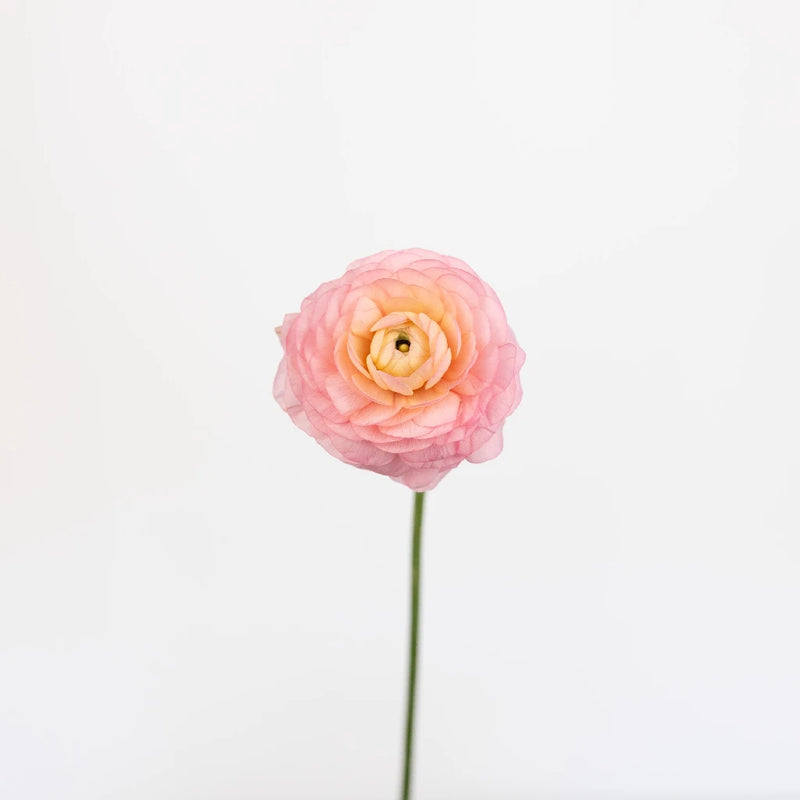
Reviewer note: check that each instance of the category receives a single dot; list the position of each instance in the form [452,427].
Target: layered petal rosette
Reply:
[405,366]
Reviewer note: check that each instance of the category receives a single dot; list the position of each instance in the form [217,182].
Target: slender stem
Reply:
[416,542]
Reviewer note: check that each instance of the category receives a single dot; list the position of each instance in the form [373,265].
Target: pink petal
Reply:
[344,395]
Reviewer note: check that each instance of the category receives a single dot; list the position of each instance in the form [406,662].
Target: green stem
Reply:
[416,542]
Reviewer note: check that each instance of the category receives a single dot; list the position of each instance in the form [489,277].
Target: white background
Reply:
[197,602]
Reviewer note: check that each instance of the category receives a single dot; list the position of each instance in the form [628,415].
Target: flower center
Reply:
[407,351]
[399,351]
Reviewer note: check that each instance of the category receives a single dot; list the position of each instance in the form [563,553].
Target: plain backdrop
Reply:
[197,602]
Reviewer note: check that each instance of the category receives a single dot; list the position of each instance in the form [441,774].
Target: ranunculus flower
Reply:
[405,366]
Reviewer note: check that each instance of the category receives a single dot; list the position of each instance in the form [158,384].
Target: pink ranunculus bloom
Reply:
[405,366]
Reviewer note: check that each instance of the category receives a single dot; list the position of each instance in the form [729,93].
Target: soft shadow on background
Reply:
[196,601]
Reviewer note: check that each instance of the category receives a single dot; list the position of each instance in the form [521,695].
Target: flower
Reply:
[405,366]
